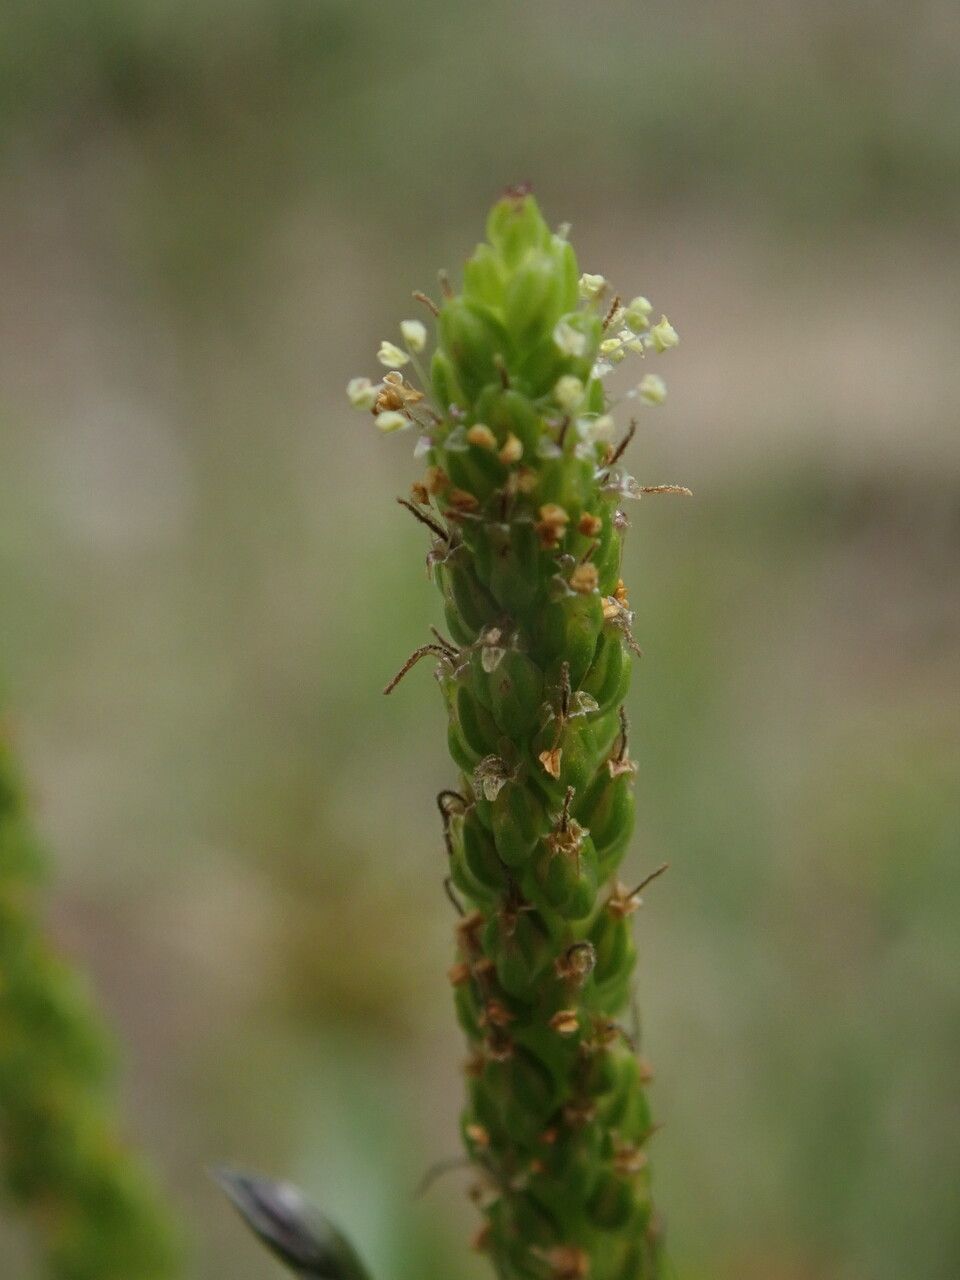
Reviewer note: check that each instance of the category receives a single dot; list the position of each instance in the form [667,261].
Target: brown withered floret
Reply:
[512,450]
[474,1066]
[576,963]
[477,1135]
[481,1238]
[395,394]
[622,902]
[628,1159]
[565,1022]
[435,480]
[496,1014]
[481,436]
[568,1262]
[585,579]
[462,500]
[552,525]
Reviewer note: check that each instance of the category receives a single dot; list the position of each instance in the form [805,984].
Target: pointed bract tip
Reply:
[282,1218]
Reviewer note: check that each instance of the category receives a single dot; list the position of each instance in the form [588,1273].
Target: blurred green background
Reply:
[210,214]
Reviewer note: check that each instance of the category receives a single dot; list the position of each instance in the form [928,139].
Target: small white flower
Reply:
[389,421]
[414,334]
[547,448]
[591,430]
[610,344]
[637,314]
[652,388]
[456,441]
[569,340]
[591,287]
[663,335]
[568,392]
[392,356]
[361,393]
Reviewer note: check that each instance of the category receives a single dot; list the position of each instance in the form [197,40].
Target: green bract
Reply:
[523,496]
[97,1213]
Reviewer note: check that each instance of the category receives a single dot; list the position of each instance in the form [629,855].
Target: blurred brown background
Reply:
[210,214]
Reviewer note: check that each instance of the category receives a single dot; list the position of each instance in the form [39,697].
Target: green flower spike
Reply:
[97,1213]
[523,496]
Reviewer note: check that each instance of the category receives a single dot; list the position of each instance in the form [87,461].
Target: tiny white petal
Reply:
[591,286]
[568,392]
[361,393]
[391,355]
[490,657]
[547,448]
[652,388]
[663,335]
[585,703]
[569,340]
[389,421]
[456,441]
[637,314]
[414,334]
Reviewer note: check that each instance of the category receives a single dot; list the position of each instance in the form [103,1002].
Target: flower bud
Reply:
[637,314]
[414,334]
[663,335]
[568,340]
[591,287]
[652,389]
[391,356]
[568,392]
[390,420]
[361,393]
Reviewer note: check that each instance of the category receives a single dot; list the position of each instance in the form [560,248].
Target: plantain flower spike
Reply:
[95,1210]
[526,530]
